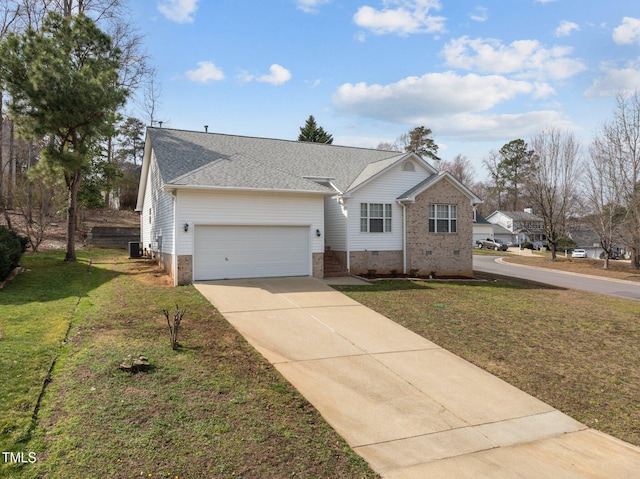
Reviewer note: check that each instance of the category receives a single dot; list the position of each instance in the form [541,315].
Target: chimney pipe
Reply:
[206,128]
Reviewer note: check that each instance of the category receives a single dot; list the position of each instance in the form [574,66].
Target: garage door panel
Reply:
[223,252]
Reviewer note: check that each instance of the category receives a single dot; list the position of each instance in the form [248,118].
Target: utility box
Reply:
[135,249]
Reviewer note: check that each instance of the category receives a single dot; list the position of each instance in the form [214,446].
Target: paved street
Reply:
[492,264]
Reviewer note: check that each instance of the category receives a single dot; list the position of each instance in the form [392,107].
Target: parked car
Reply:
[494,244]
[613,255]
[579,253]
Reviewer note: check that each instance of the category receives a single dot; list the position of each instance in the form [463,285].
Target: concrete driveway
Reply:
[409,407]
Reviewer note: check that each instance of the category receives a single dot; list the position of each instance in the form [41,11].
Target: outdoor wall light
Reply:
[186,227]
[318,234]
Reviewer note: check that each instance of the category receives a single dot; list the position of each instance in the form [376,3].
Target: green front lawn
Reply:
[213,408]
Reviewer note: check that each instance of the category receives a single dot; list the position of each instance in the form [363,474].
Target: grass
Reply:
[35,322]
[213,408]
[577,351]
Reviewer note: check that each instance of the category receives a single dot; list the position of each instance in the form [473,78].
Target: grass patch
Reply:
[577,351]
[212,408]
[37,309]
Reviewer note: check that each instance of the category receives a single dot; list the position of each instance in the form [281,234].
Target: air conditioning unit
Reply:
[135,249]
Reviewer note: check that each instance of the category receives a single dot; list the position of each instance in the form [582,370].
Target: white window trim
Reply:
[365,217]
[451,218]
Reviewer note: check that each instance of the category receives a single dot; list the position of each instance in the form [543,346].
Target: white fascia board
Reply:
[144,174]
[459,186]
[169,188]
[410,155]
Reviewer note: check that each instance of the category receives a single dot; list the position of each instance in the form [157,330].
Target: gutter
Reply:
[168,188]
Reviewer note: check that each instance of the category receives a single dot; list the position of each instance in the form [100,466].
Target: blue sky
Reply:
[478,73]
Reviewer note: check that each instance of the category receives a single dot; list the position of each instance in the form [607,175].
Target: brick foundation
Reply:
[384,262]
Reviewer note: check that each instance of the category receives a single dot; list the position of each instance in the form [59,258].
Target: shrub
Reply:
[566,243]
[527,245]
[11,249]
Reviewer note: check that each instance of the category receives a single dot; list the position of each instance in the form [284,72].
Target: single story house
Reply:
[586,238]
[216,206]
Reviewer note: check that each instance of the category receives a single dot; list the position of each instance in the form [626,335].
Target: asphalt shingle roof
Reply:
[520,216]
[210,159]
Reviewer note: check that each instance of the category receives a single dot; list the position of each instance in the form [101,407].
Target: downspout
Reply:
[174,256]
[346,233]
[404,238]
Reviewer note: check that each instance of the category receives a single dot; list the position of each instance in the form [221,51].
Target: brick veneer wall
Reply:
[445,254]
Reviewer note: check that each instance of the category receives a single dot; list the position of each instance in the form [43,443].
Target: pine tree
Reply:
[64,86]
[314,133]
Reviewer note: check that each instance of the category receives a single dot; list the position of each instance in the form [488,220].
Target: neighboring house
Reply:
[587,239]
[482,229]
[521,225]
[503,234]
[216,206]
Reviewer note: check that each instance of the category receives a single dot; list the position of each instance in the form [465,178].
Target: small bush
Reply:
[527,245]
[11,249]
[566,243]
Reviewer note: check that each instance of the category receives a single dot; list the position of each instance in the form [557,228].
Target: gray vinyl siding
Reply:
[384,189]
[157,216]
[335,225]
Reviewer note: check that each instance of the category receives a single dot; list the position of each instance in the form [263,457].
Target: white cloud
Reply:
[310,6]
[616,80]
[245,77]
[479,14]
[566,28]
[628,32]
[277,76]
[179,11]
[434,95]
[475,127]
[206,72]
[402,17]
[526,58]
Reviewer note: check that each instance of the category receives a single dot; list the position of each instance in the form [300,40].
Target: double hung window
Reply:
[375,217]
[443,219]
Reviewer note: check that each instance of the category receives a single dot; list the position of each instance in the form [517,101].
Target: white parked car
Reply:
[579,253]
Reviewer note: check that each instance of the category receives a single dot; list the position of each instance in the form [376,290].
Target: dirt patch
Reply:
[56,235]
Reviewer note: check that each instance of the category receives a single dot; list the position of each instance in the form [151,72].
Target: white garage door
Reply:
[225,252]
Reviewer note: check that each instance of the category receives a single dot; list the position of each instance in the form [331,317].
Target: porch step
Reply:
[335,274]
[333,267]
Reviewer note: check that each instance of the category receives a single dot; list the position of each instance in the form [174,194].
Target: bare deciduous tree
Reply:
[496,188]
[39,200]
[460,168]
[617,149]
[553,183]
[601,197]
